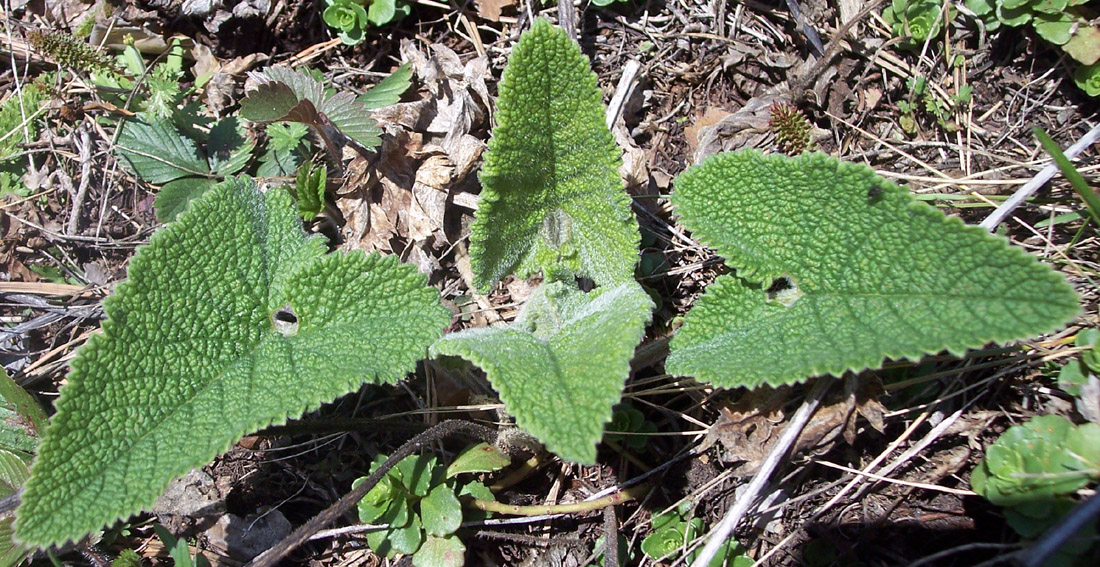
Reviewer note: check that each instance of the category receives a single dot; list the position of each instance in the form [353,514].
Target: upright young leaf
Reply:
[859,270]
[562,365]
[231,320]
[551,193]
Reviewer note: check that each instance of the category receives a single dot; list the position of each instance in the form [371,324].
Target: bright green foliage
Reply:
[418,501]
[1034,468]
[348,17]
[674,530]
[389,90]
[916,20]
[482,457]
[158,153]
[287,95]
[560,367]
[231,320]
[127,558]
[551,194]
[309,190]
[848,269]
[352,17]
[626,419]
[1087,77]
[288,147]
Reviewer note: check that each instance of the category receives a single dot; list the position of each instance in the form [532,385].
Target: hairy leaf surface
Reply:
[551,193]
[850,270]
[561,365]
[231,320]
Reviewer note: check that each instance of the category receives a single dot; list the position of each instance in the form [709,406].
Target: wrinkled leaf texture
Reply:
[551,191]
[877,274]
[189,359]
[561,366]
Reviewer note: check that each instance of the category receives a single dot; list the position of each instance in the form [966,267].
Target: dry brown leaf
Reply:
[491,9]
[749,429]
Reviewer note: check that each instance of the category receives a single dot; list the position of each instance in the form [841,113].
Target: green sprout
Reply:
[916,20]
[1087,77]
[675,529]
[351,17]
[347,16]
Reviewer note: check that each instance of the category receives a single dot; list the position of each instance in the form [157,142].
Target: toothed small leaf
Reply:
[231,320]
[561,366]
[859,270]
[551,193]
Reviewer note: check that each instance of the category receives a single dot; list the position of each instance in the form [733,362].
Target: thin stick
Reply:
[1040,178]
[721,533]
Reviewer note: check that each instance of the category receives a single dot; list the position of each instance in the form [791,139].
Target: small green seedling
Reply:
[1033,469]
[178,549]
[674,530]
[627,419]
[350,18]
[19,124]
[418,502]
[916,20]
[309,190]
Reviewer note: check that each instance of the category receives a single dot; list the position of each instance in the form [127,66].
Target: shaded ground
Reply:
[708,75]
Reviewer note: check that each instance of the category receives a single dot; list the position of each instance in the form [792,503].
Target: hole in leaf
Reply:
[285,321]
[784,290]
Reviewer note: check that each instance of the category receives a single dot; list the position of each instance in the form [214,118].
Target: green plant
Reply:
[19,123]
[1075,374]
[158,152]
[837,269]
[552,200]
[916,20]
[418,501]
[21,424]
[1064,23]
[233,320]
[792,129]
[309,190]
[71,51]
[286,95]
[675,529]
[1087,78]
[920,101]
[351,17]
[625,419]
[1033,468]
[230,306]
[178,549]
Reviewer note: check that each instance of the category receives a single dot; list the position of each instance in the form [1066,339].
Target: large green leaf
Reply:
[561,366]
[232,320]
[869,273]
[551,193]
